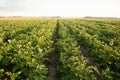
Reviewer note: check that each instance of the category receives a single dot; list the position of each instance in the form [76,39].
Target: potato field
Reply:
[59,49]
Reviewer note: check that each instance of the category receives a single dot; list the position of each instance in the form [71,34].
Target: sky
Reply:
[64,8]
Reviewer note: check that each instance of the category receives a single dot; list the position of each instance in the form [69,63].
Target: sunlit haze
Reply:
[65,8]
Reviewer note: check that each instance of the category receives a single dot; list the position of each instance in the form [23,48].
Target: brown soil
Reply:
[52,67]
[53,57]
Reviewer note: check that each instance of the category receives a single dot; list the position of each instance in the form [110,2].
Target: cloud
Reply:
[23,5]
[60,7]
[10,5]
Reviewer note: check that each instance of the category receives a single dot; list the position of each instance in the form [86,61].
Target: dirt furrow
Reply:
[53,57]
[91,62]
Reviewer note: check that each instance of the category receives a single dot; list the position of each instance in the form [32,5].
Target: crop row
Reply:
[24,47]
[27,44]
[97,41]
[72,63]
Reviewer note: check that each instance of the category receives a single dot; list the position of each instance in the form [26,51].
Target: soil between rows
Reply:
[91,62]
[53,57]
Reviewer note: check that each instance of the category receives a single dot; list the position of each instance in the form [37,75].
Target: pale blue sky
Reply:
[66,8]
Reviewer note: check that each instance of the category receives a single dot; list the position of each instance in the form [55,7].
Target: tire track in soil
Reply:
[53,57]
[91,62]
